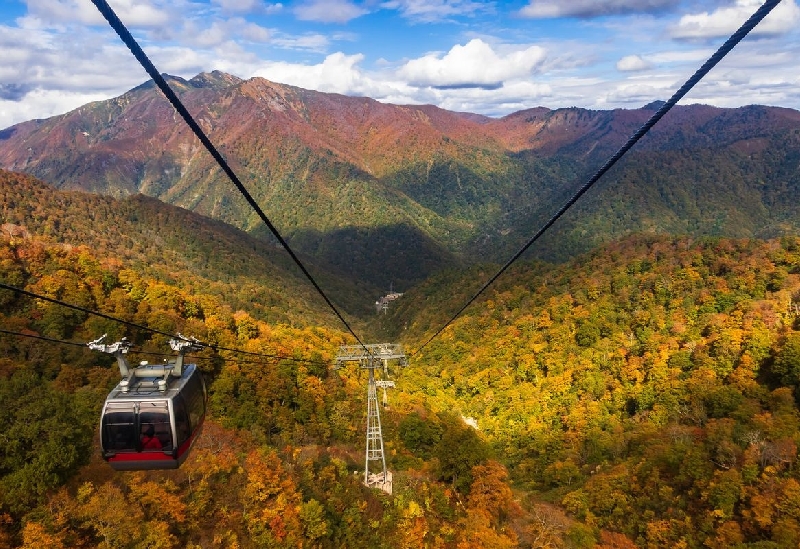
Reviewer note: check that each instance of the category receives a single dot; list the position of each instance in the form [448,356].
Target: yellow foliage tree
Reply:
[35,536]
[272,503]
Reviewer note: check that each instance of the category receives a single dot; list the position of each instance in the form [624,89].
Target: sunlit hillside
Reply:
[176,246]
[643,395]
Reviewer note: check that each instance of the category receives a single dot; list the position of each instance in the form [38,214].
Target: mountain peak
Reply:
[214,79]
[654,105]
[175,82]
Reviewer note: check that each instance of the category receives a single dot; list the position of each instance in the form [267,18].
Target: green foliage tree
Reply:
[47,436]
[457,452]
[787,361]
[418,435]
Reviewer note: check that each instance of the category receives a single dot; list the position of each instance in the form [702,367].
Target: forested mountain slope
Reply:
[274,464]
[180,247]
[390,193]
[641,396]
[650,388]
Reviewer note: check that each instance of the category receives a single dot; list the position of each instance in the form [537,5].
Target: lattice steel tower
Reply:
[370,358]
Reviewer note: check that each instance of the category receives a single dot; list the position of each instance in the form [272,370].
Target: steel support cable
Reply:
[83,309]
[49,339]
[145,328]
[148,66]
[145,353]
[729,44]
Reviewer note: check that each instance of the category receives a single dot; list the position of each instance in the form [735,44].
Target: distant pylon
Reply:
[370,358]
[374,432]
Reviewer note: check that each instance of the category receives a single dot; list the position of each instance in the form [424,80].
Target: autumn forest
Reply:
[641,395]
[631,382]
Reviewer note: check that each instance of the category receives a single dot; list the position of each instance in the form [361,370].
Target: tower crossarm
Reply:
[368,355]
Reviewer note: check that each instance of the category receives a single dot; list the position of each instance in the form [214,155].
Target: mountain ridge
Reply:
[334,168]
[161,240]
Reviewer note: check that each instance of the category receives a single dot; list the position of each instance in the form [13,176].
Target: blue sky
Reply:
[486,57]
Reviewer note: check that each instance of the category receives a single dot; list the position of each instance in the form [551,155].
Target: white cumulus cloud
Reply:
[59,12]
[631,63]
[42,104]
[143,14]
[724,21]
[222,31]
[338,73]
[473,65]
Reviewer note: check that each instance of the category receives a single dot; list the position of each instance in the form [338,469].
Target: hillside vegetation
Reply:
[181,248]
[275,463]
[644,395]
[649,389]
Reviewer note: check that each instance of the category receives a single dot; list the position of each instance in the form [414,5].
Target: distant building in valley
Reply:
[383,303]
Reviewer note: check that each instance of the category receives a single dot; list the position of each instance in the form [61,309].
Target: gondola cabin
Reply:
[152,418]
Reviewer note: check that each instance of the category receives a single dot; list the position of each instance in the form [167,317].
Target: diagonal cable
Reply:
[42,338]
[148,66]
[729,44]
[83,309]
[146,328]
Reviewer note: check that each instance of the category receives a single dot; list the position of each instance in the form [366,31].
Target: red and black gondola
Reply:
[151,419]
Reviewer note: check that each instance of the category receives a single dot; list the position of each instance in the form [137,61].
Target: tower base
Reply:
[382,481]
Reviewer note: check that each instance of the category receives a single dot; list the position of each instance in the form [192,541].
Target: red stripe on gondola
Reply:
[141,456]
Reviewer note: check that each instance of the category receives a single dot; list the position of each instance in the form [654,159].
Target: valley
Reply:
[424,188]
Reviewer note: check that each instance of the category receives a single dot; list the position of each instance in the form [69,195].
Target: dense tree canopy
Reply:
[644,396]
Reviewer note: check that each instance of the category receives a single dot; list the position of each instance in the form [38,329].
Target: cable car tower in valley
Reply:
[370,358]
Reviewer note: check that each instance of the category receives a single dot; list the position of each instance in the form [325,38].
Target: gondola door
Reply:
[118,429]
[138,435]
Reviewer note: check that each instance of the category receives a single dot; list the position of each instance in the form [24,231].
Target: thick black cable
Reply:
[729,44]
[83,310]
[163,355]
[141,327]
[148,66]
[49,339]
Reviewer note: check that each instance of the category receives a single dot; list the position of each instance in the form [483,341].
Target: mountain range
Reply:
[389,194]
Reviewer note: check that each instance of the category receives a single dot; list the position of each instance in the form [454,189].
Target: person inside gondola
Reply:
[149,439]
